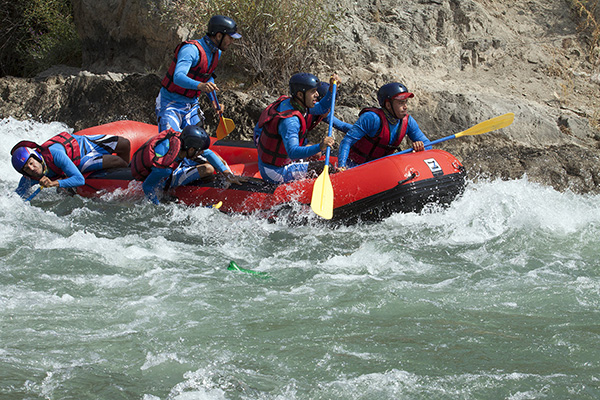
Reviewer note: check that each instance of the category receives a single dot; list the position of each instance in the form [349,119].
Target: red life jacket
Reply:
[370,148]
[201,72]
[144,159]
[64,139]
[270,144]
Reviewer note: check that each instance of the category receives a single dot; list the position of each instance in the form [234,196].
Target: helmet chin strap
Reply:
[303,101]
[45,169]
[392,112]
[221,41]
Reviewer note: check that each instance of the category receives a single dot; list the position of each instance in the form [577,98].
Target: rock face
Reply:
[124,35]
[465,60]
[81,100]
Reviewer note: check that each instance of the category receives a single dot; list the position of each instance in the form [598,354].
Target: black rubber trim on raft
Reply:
[404,198]
[247,144]
[118,174]
[250,145]
[254,185]
[251,185]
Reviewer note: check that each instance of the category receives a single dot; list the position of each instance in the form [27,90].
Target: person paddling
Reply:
[282,128]
[191,73]
[172,159]
[62,160]
[313,120]
[379,131]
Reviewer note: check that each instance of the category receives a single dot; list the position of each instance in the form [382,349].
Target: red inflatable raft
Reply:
[369,192]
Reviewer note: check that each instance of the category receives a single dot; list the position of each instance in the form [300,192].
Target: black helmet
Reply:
[391,91]
[195,137]
[323,88]
[302,82]
[222,24]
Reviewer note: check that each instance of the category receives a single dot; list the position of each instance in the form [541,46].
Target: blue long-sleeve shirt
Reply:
[188,57]
[368,124]
[338,124]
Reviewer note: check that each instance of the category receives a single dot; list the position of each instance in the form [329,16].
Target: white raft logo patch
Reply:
[433,165]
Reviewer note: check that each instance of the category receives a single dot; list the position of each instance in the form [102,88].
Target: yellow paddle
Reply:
[322,195]
[483,127]
[226,125]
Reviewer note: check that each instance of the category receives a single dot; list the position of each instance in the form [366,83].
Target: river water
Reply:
[495,297]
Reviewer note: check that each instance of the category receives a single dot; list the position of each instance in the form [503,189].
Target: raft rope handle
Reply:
[412,176]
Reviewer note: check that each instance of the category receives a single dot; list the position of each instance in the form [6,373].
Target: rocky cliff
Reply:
[466,61]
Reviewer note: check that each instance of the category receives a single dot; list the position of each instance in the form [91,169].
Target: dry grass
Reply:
[589,23]
[588,12]
[279,38]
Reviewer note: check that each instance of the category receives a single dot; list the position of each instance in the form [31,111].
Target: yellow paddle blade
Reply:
[218,205]
[322,195]
[226,126]
[490,125]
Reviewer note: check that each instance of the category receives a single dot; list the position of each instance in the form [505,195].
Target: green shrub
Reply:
[37,34]
[279,37]
[11,33]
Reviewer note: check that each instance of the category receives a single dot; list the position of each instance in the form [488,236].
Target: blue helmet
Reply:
[222,24]
[21,155]
[323,88]
[195,137]
[391,91]
[302,82]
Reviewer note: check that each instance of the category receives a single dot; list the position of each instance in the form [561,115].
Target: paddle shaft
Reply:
[32,195]
[430,143]
[214,96]
[331,113]
[491,124]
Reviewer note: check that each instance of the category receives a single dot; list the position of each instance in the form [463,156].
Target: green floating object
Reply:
[234,267]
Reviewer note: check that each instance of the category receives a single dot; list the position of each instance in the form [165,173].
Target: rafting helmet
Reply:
[222,24]
[302,82]
[21,155]
[195,137]
[323,88]
[391,91]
